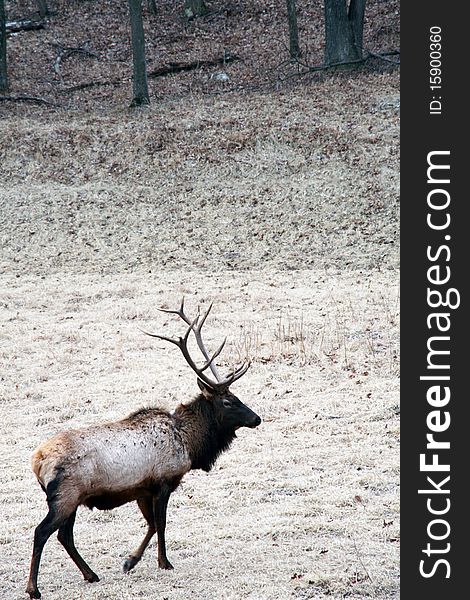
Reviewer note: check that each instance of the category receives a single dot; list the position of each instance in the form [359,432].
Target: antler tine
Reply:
[197,332]
[218,351]
[209,362]
[179,312]
[204,317]
[236,374]
[195,326]
[182,343]
[161,337]
[200,343]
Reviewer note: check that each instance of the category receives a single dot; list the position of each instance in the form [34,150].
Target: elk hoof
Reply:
[164,563]
[92,577]
[33,593]
[129,564]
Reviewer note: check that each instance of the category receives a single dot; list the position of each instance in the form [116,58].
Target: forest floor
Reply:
[82,58]
[275,198]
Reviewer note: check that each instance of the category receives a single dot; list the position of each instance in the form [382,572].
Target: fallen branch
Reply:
[383,56]
[197,64]
[307,69]
[33,99]
[161,72]
[65,52]
[23,25]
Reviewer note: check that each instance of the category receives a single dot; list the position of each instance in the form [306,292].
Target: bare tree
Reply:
[294,49]
[343,31]
[140,86]
[3,48]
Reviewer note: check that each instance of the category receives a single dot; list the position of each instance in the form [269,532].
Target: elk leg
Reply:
[146,507]
[42,533]
[160,503]
[65,537]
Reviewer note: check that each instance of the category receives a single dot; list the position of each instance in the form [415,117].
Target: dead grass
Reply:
[304,507]
[345,333]
[282,208]
[316,186]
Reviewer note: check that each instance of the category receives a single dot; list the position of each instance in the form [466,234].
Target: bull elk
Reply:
[142,457]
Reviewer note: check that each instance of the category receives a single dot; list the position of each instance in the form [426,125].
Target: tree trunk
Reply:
[340,43]
[3,49]
[357,9]
[140,87]
[294,49]
[194,8]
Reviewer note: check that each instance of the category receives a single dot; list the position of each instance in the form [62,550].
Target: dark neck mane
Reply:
[204,436]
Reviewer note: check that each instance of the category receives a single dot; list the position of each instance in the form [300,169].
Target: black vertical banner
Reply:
[435,254]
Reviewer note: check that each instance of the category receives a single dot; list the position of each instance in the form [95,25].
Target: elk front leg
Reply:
[146,507]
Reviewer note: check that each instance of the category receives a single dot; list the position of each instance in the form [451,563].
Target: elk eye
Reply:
[227,403]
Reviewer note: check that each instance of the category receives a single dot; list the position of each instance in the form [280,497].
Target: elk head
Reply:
[230,412]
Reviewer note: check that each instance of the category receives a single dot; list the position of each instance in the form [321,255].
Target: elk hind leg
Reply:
[146,507]
[65,537]
[42,533]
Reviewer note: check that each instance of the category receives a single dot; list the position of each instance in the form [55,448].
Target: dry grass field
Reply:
[282,208]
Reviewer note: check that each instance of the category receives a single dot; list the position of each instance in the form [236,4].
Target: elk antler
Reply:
[182,342]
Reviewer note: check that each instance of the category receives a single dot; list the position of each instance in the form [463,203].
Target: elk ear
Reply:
[207,391]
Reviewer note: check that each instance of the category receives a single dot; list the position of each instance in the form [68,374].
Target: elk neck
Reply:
[204,435]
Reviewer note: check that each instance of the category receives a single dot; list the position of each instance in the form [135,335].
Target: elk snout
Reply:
[253,420]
